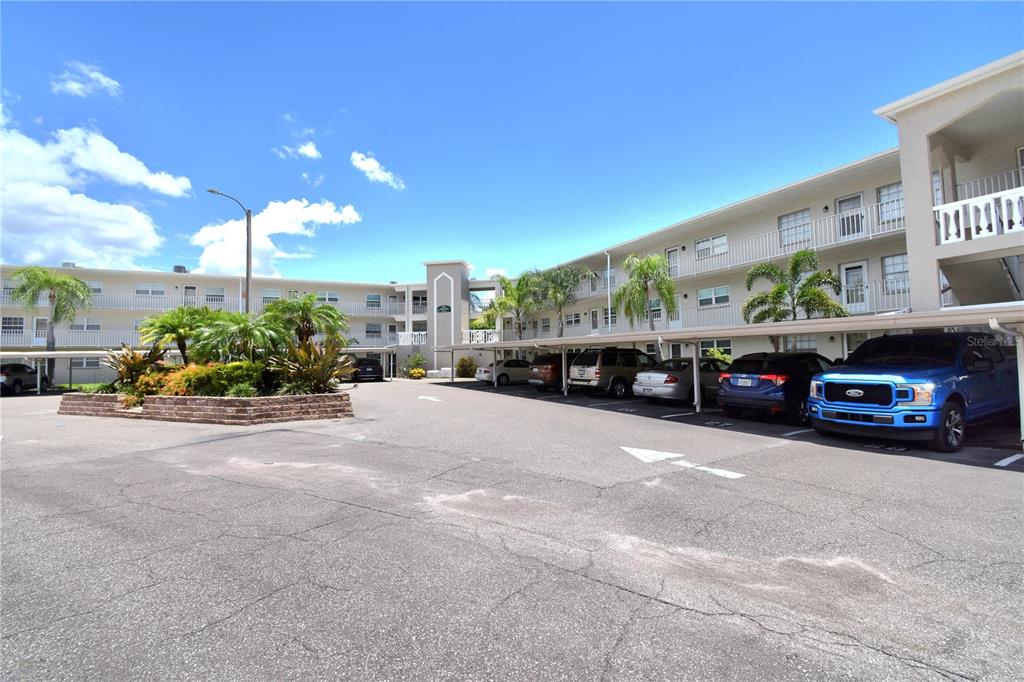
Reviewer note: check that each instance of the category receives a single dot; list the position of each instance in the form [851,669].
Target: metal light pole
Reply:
[248,244]
[608,281]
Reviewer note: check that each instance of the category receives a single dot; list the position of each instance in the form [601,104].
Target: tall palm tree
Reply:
[238,336]
[308,317]
[65,295]
[797,286]
[519,297]
[178,326]
[558,288]
[645,275]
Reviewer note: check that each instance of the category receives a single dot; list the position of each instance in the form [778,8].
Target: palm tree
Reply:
[65,295]
[308,317]
[797,286]
[558,288]
[178,326]
[520,297]
[238,336]
[645,275]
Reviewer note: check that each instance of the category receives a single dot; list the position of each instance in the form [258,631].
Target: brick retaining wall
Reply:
[207,410]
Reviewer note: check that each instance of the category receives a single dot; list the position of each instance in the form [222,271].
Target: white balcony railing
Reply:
[1000,182]
[419,308]
[984,216]
[480,336]
[412,338]
[67,339]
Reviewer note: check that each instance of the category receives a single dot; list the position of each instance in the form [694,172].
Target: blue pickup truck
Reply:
[926,387]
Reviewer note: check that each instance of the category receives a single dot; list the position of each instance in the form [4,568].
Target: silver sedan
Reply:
[673,380]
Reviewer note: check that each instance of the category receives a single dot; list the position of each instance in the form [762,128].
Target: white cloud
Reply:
[306,149]
[307,132]
[47,217]
[82,80]
[375,171]
[493,273]
[224,243]
[313,182]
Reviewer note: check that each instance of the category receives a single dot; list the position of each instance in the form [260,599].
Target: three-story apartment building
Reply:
[936,224]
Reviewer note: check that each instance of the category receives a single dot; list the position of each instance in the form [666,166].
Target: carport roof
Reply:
[961,316]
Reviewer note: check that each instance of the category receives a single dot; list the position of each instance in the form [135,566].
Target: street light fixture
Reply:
[248,243]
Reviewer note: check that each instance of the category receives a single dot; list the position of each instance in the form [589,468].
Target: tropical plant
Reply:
[65,295]
[558,288]
[312,367]
[519,297]
[129,364]
[238,336]
[414,361]
[487,319]
[645,275]
[798,286]
[718,354]
[178,326]
[417,373]
[211,379]
[465,368]
[307,317]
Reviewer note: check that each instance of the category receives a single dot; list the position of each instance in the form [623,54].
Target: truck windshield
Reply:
[905,350]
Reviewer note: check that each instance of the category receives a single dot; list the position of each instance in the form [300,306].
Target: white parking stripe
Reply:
[680,414]
[793,433]
[614,402]
[1009,460]
[724,473]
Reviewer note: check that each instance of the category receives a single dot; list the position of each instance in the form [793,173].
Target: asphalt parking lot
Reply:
[463,532]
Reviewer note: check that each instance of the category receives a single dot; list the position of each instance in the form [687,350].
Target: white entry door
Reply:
[595,320]
[855,280]
[190,294]
[39,327]
[851,216]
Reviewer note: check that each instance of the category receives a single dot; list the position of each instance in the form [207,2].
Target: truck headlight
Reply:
[817,389]
[923,394]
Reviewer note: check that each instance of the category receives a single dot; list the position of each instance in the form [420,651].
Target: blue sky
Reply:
[515,136]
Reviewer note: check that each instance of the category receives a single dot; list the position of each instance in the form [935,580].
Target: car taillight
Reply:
[777,379]
[723,377]
[669,379]
[597,373]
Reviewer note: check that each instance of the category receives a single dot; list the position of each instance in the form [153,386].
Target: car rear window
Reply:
[588,358]
[755,366]
[367,362]
[906,350]
[673,365]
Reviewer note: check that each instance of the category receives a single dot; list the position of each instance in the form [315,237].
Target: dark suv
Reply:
[770,382]
[609,369]
[368,369]
[546,371]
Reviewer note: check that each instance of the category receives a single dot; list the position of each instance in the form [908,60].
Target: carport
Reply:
[1007,318]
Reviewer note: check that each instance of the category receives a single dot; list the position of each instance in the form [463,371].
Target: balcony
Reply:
[69,339]
[993,184]
[419,308]
[412,338]
[988,215]
[146,302]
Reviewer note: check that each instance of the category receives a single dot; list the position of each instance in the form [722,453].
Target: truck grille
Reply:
[871,394]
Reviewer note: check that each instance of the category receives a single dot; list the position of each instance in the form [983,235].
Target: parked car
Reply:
[509,371]
[673,379]
[546,371]
[16,377]
[770,382]
[368,369]
[927,387]
[609,369]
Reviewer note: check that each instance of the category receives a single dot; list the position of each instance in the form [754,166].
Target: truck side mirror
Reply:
[837,361]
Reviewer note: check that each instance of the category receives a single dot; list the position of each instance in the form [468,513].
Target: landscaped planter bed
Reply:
[207,410]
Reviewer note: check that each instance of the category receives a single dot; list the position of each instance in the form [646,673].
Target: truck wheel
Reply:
[952,429]
[732,411]
[16,387]
[796,414]
[618,389]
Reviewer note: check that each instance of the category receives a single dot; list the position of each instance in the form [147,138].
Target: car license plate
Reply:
[647,391]
[582,372]
[744,382]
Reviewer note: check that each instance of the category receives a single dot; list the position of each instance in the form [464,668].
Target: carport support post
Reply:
[71,376]
[39,378]
[1018,342]
[696,376]
[565,374]
[494,368]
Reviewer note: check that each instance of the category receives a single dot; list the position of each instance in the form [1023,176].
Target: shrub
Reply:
[150,383]
[414,361]
[417,373]
[312,367]
[242,391]
[465,367]
[718,354]
[130,364]
[211,379]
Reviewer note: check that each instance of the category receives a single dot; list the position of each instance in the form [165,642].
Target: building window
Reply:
[650,349]
[271,295]
[614,318]
[712,296]
[138,322]
[712,246]
[373,300]
[890,202]
[795,228]
[214,294]
[373,330]
[655,305]
[95,287]
[8,287]
[723,345]
[573,319]
[672,255]
[85,363]
[149,289]
[328,296]
[896,271]
[294,294]
[91,324]
[545,324]
[419,325]
[936,188]
[608,279]
[675,350]
[13,325]
[804,342]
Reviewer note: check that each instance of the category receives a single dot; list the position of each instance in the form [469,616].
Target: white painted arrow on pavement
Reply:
[650,456]
[429,397]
